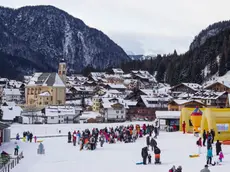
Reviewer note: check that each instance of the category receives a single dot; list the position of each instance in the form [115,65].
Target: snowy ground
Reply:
[61,156]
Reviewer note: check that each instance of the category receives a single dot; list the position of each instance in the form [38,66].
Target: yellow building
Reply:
[96,104]
[47,88]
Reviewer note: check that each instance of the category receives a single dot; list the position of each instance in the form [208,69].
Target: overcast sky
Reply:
[143,26]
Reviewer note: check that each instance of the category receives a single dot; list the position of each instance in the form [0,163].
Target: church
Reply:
[47,88]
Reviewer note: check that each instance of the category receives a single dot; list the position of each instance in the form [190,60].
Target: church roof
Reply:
[46,79]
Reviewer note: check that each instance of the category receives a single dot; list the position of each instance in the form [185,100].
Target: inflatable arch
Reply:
[217,119]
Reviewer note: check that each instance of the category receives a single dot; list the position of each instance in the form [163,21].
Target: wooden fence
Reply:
[13,161]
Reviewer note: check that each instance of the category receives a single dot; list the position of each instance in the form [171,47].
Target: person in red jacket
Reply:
[183,127]
[199,144]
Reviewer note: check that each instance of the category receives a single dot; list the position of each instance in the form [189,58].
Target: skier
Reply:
[144,154]
[157,153]
[69,137]
[147,141]
[16,149]
[205,169]
[204,137]
[74,138]
[218,147]
[102,140]
[17,137]
[30,137]
[149,159]
[209,156]
[153,143]
[35,139]
[212,132]
[221,156]
[183,127]
[199,144]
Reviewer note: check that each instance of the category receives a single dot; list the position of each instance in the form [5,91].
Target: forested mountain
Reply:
[209,54]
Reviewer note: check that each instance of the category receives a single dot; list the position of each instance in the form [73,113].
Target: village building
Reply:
[113,110]
[118,87]
[156,102]
[47,88]
[117,71]
[177,104]
[185,88]
[62,114]
[11,95]
[219,86]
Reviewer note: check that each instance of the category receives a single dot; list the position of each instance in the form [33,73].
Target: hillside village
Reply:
[54,98]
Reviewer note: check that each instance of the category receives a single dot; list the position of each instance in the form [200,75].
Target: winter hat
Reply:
[206,166]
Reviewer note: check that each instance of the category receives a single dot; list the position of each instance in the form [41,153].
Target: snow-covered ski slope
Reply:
[62,156]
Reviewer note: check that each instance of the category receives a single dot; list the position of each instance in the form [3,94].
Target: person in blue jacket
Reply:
[209,156]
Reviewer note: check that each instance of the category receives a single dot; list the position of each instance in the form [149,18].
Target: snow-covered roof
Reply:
[181,102]
[127,75]
[193,86]
[14,92]
[207,94]
[108,102]
[59,110]
[46,79]
[89,114]
[168,114]
[225,83]
[10,112]
[148,101]
[118,70]
[148,92]
[117,86]
[45,94]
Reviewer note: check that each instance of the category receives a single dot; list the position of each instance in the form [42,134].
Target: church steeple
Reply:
[62,70]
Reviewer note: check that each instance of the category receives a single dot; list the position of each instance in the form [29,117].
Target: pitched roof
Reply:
[46,79]
[14,92]
[193,86]
[225,83]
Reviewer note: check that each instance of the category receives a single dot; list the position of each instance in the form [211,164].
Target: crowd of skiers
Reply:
[88,139]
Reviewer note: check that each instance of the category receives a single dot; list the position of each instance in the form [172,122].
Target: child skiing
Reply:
[16,149]
[157,153]
[221,156]
[149,159]
[199,144]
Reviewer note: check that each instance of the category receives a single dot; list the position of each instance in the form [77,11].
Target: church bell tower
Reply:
[62,70]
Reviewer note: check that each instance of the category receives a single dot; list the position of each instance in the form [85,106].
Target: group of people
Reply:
[88,139]
[208,137]
[27,136]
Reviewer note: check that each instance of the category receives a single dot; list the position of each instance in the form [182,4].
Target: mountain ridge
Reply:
[45,34]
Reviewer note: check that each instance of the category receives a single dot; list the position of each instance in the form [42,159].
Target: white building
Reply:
[11,95]
[10,112]
[118,71]
[62,114]
[114,109]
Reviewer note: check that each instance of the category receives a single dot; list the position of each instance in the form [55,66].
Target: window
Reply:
[51,117]
[122,111]
[117,111]
[122,117]
[117,116]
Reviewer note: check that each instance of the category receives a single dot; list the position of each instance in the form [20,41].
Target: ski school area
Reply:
[119,147]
